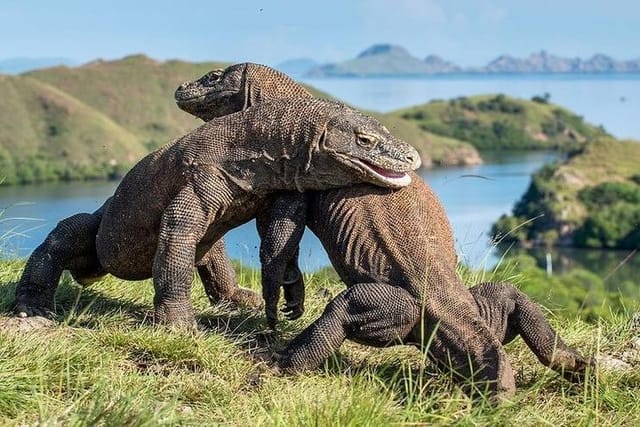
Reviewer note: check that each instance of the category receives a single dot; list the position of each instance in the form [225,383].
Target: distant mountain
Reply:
[20,65]
[383,59]
[543,62]
[387,59]
[439,65]
[296,67]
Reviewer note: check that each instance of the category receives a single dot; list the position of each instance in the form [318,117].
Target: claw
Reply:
[272,323]
[23,310]
[292,312]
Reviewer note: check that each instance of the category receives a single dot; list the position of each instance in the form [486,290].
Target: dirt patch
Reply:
[25,324]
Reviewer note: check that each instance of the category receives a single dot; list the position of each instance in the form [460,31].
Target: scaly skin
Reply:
[370,247]
[171,209]
[402,284]
[510,313]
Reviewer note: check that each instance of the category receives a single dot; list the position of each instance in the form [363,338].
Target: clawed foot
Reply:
[581,367]
[573,367]
[181,317]
[23,310]
[292,311]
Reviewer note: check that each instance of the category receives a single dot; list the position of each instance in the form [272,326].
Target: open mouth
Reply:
[389,178]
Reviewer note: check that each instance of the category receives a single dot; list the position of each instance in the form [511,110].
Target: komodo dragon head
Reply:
[360,142]
[366,145]
[235,88]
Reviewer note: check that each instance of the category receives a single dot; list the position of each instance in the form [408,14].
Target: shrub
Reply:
[614,220]
[502,104]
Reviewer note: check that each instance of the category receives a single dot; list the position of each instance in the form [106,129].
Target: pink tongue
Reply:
[385,172]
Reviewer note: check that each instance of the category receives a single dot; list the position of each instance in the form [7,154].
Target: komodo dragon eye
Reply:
[213,76]
[366,141]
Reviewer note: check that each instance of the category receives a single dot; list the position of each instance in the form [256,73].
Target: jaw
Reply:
[207,105]
[377,175]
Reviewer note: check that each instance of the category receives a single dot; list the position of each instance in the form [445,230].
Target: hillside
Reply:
[136,92]
[434,149]
[591,200]
[92,121]
[502,122]
[96,120]
[48,134]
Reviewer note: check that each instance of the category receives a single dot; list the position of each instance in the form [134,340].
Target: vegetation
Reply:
[591,200]
[434,149]
[578,292]
[500,122]
[88,122]
[97,120]
[542,99]
[104,364]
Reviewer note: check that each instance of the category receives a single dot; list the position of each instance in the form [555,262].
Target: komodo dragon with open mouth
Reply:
[175,204]
[395,252]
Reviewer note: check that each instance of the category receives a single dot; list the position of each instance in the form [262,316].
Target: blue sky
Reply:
[468,32]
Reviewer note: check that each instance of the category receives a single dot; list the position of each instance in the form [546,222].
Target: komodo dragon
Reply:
[396,275]
[173,205]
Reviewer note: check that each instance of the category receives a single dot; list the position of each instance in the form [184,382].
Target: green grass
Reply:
[104,364]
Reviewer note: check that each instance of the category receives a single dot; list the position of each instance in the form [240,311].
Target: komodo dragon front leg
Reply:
[71,245]
[184,224]
[280,229]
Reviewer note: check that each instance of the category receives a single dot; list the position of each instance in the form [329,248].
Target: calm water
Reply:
[474,197]
[610,100]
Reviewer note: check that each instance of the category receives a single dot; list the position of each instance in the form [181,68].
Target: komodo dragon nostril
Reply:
[184,86]
[414,159]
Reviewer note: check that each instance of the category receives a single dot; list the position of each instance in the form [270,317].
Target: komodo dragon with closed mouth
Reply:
[173,205]
[395,252]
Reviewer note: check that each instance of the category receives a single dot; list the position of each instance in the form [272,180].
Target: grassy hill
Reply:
[136,92]
[591,200]
[98,119]
[48,134]
[92,121]
[434,149]
[491,122]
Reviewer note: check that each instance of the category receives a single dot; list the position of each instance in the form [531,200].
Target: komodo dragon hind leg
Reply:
[375,314]
[527,320]
[280,230]
[71,245]
[219,279]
